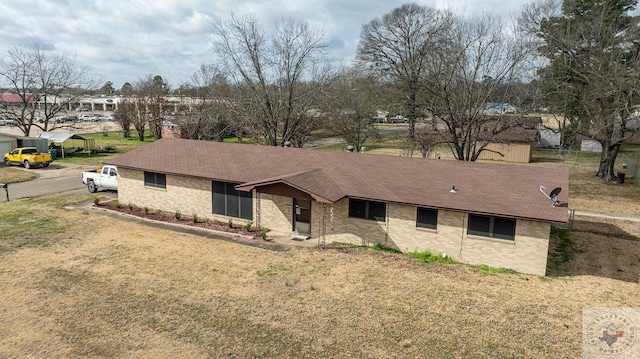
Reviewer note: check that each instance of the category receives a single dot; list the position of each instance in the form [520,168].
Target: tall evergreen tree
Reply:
[593,48]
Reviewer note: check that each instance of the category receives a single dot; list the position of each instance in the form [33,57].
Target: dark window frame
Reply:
[155,179]
[492,227]
[429,218]
[227,201]
[369,210]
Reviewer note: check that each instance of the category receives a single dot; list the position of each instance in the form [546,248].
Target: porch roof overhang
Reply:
[316,183]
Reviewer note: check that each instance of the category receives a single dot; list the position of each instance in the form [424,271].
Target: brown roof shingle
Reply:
[484,188]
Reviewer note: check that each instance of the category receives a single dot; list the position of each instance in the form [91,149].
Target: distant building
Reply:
[500,108]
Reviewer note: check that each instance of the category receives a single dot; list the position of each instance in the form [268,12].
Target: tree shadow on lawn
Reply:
[599,247]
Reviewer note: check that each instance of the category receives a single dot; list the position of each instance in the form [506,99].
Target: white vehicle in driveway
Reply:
[102,179]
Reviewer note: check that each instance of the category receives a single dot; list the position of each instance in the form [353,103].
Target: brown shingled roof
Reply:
[483,188]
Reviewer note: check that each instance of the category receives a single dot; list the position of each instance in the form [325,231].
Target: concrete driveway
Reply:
[58,178]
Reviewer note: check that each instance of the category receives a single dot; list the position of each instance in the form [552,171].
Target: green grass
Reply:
[428,257]
[113,139]
[31,223]
[246,140]
[488,269]
[380,248]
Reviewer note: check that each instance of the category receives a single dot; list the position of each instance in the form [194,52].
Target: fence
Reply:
[632,164]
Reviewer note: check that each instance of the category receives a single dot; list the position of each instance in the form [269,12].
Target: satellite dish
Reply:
[553,196]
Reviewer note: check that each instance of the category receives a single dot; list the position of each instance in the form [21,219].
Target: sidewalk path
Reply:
[622,216]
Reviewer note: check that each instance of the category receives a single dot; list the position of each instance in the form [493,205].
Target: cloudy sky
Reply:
[125,40]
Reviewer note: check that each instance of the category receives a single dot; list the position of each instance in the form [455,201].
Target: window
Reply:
[229,202]
[152,179]
[427,218]
[494,227]
[376,211]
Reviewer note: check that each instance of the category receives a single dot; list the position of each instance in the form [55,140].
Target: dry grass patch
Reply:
[11,175]
[110,288]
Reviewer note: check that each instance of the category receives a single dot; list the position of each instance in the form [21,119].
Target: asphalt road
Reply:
[58,178]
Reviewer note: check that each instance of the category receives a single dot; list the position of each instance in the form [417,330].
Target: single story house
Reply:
[479,213]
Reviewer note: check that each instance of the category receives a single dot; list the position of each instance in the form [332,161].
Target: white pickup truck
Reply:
[105,178]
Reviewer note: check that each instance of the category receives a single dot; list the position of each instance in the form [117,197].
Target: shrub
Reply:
[96,200]
[131,206]
[177,215]
[146,209]
[117,203]
[194,218]
[230,223]
[248,226]
[263,233]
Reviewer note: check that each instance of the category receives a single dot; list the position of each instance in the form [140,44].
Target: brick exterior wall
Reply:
[186,194]
[526,254]
[276,213]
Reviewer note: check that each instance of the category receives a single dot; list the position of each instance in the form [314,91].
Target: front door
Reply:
[302,216]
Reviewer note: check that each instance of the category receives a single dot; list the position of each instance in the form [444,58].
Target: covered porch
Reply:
[295,207]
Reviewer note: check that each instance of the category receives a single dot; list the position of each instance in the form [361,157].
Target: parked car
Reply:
[106,118]
[82,108]
[70,118]
[398,119]
[88,117]
[28,157]
[105,178]
[7,122]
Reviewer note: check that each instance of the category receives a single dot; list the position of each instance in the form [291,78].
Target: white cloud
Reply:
[124,40]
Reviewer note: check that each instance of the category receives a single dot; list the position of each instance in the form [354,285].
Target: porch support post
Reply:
[323,226]
[258,210]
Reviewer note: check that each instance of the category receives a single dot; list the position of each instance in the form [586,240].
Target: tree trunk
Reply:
[607,160]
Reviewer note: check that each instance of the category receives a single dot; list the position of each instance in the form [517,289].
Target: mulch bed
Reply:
[173,218]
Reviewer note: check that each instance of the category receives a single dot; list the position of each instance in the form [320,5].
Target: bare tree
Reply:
[593,54]
[142,106]
[351,106]
[39,79]
[465,70]
[125,114]
[280,77]
[397,47]
[206,110]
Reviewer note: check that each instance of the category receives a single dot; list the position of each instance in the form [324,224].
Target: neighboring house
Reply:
[500,108]
[479,213]
[7,143]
